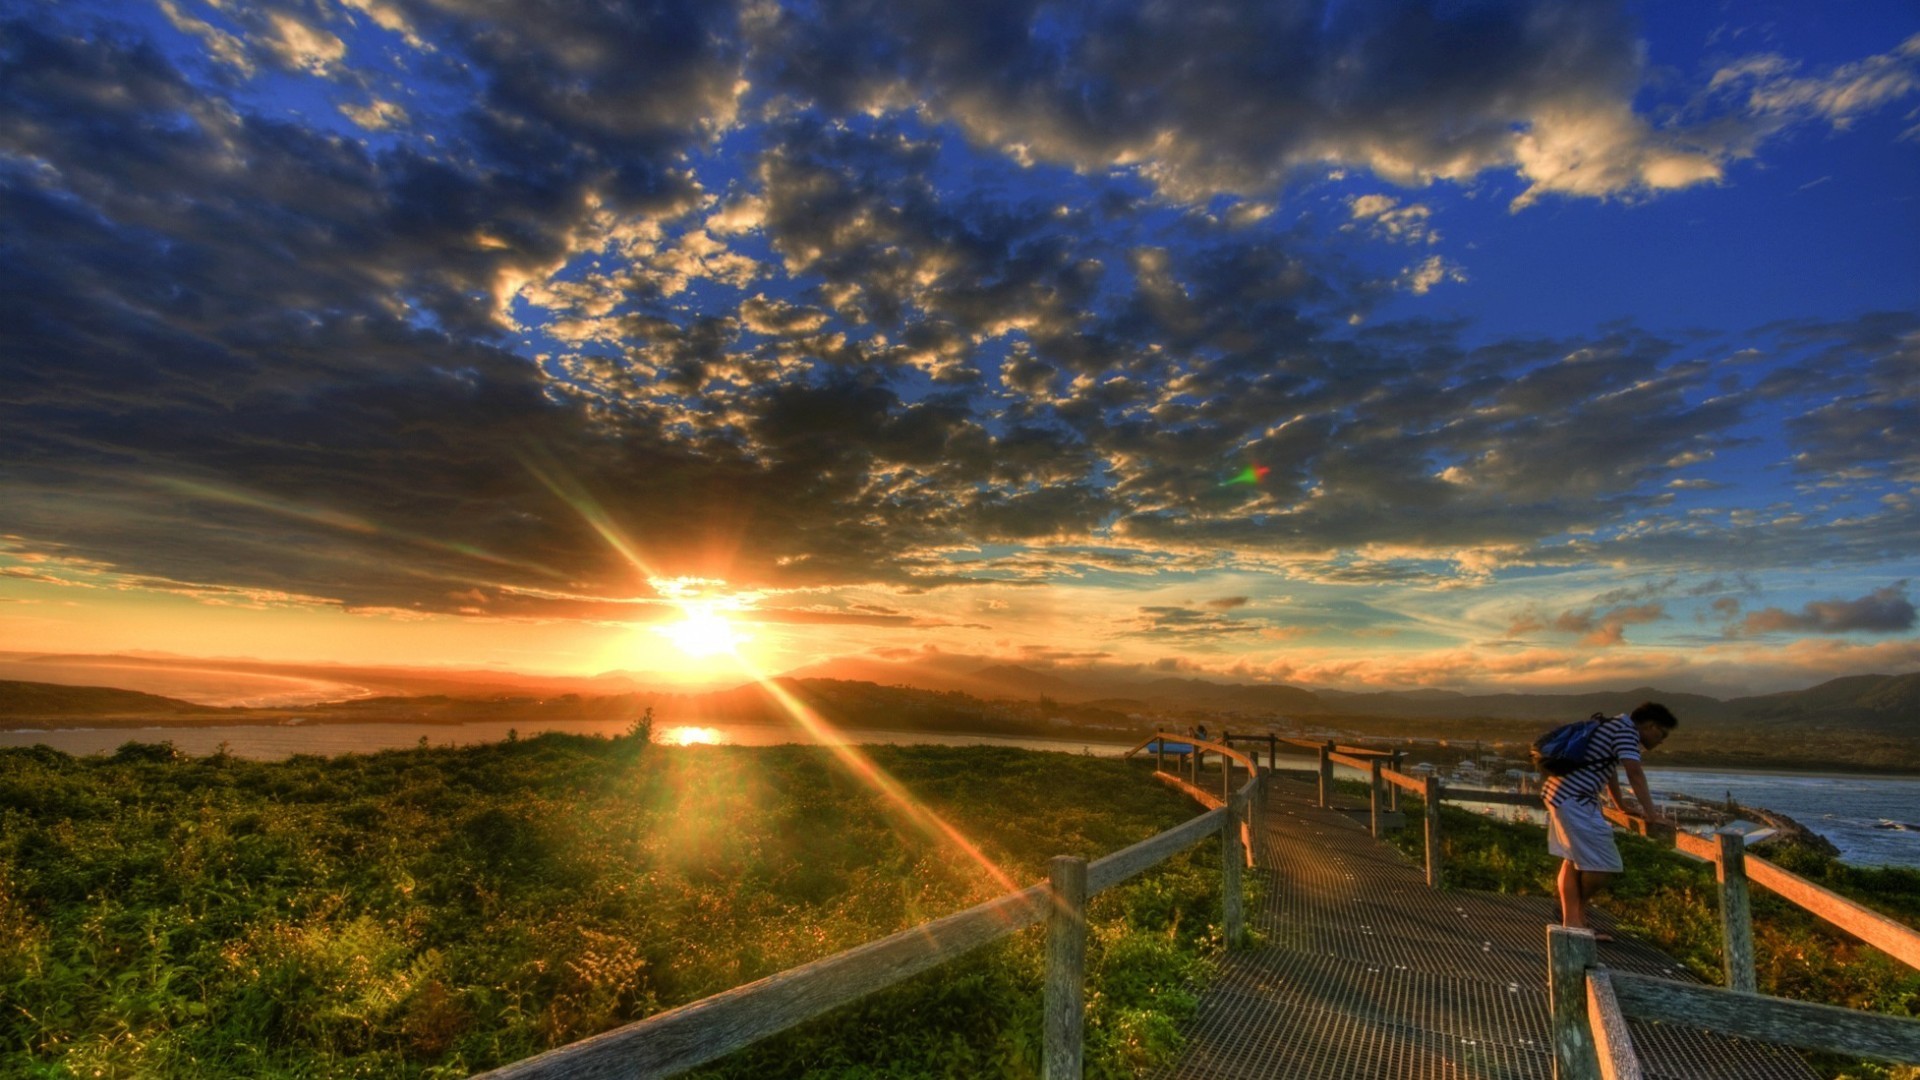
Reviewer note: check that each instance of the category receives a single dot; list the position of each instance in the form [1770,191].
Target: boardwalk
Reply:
[1365,972]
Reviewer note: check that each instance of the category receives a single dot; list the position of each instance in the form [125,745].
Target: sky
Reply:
[1356,345]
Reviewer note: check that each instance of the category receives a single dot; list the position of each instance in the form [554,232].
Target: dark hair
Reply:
[1653,711]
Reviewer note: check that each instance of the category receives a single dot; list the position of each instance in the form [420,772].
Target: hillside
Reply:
[34,699]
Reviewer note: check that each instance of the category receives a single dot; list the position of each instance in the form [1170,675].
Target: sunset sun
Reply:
[703,634]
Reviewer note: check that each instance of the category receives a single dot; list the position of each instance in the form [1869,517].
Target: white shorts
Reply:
[1578,833]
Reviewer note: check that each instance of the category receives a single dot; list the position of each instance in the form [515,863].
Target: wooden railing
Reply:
[692,1035]
[1591,1004]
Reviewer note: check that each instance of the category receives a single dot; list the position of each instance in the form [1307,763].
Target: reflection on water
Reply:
[271,742]
[690,736]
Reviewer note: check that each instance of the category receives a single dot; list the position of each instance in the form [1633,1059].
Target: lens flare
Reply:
[1252,474]
[702,634]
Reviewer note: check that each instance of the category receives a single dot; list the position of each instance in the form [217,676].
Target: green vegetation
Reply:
[436,911]
[1672,902]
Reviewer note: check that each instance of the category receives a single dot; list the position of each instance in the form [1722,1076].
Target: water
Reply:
[271,742]
[1845,809]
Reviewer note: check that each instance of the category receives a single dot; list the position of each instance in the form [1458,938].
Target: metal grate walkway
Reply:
[1367,973]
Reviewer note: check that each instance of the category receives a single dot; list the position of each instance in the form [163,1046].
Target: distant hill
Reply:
[32,699]
[1882,704]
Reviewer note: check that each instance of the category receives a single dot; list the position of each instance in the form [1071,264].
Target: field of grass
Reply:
[1672,902]
[433,912]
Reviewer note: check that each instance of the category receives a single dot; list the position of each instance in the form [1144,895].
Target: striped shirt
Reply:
[1614,741]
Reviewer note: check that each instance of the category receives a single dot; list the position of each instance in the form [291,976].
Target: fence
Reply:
[692,1035]
[1591,1004]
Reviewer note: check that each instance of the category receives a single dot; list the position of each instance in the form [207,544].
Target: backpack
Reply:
[1564,749]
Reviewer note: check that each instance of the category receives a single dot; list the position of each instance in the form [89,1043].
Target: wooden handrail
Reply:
[1611,1039]
[1222,749]
[1482,795]
[672,1042]
[684,1038]
[1363,764]
[1768,1019]
[1894,938]
[1401,780]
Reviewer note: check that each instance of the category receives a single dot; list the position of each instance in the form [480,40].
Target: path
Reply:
[1366,973]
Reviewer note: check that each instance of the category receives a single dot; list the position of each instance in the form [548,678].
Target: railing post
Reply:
[1256,818]
[1273,751]
[1326,776]
[1065,1001]
[1232,858]
[1393,790]
[1159,755]
[1736,913]
[1226,778]
[1570,953]
[1373,800]
[1436,873]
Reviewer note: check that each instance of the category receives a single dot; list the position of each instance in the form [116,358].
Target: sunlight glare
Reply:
[703,634]
[688,735]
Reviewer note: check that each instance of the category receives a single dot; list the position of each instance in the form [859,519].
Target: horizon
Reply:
[1532,348]
[250,682]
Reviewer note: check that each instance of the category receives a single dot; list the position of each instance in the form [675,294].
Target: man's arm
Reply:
[1613,789]
[1637,776]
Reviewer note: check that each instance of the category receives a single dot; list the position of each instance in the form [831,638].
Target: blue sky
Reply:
[1356,345]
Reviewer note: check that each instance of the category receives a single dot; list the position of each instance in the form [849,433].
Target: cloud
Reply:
[1420,278]
[1383,217]
[586,288]
[1883,611]
[1409,93]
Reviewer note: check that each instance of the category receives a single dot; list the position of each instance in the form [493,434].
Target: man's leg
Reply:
[1593,883]
[1573,910]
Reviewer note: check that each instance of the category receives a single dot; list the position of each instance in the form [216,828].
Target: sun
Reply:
[703,634]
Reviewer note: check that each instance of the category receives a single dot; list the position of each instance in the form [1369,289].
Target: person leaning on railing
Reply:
[1576,830]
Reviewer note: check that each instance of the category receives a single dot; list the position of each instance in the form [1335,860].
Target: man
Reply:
[1576,830]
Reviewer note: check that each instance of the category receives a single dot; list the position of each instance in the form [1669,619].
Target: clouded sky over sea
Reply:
[1351,344]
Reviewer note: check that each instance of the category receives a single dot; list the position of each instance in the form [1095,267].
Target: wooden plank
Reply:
[1364,751]
[1105,873]
[1063,1001]
[1307,743]
[1771,1019]
[1736,914]
[1700,847]
[1500,798]
[1375,802]
[1436,871]
[1401,780]
[1658,830]
[1896,939]
[1339,758]
[1232,857]
[1613,1043]
[1570,953]
[1203,746]
[672,1042]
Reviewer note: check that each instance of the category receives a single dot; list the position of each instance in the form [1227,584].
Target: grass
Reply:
[434,912]
[1672,902]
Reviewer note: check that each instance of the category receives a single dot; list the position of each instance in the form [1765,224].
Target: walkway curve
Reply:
[1367,973]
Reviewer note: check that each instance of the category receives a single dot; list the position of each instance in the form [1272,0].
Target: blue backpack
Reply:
[1564,749]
